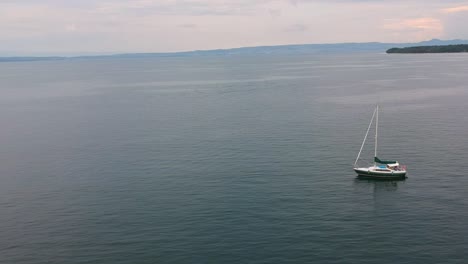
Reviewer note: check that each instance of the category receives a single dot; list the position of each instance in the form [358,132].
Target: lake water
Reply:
[232,160]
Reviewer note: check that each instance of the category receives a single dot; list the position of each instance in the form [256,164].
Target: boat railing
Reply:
[401,168]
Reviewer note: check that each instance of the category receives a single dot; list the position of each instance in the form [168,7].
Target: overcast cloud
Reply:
[70,27]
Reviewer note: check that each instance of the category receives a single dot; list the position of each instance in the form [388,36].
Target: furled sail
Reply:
[384,161]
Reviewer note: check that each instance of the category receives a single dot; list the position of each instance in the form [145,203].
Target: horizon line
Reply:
[116,53]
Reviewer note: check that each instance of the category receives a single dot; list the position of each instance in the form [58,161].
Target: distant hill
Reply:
[431,49]
[367,47]
[6,59]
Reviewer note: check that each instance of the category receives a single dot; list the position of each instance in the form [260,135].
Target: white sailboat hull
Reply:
[378,173]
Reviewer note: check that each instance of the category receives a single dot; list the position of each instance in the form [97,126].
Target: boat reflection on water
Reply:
[380,198]
[377,185]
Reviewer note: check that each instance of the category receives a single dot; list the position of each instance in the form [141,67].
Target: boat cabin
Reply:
[393,166]
[388,167]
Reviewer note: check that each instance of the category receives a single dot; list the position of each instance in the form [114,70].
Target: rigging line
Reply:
[364,141]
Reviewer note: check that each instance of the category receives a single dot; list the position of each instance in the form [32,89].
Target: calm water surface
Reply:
[232,160]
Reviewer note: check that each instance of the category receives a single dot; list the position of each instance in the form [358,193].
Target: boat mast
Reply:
[376,132]
[364,141]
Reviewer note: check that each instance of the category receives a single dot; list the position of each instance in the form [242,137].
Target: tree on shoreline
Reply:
[431,49]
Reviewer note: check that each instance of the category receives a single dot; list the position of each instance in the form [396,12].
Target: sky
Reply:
[75,27]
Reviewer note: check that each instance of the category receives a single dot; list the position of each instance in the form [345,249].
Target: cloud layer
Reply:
[38,27]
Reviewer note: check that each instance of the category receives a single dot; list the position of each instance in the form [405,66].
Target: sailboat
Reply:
[382,169]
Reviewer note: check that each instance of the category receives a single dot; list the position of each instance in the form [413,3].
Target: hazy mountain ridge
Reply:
[280,49]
